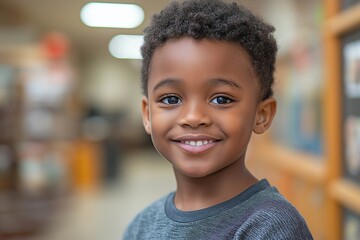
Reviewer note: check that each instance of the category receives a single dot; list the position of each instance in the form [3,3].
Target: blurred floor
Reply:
[105,214]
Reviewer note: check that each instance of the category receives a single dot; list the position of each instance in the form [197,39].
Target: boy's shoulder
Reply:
[275,220]
[270,216]
[146,217]
[155,207]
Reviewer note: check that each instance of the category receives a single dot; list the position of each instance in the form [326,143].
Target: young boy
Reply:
[207,80]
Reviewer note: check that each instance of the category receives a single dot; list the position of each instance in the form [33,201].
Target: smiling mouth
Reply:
[197,143]
[196,146]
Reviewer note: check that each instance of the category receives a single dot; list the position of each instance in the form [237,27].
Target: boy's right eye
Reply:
[170,100]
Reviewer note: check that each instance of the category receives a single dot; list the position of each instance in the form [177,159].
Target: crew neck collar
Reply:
[189,216]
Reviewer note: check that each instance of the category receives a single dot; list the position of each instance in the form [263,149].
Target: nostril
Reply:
[194,122]
[194,115]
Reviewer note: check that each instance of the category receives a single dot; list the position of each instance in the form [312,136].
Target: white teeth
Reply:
[198,143]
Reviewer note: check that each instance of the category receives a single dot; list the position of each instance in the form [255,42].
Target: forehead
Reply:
[205,59]
[218,49]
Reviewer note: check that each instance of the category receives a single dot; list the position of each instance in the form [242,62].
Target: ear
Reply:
[264,115]
[146,114]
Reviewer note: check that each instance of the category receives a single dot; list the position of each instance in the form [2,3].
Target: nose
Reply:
[194,115]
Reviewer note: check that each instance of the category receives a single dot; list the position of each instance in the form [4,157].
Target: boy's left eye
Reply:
[221,100]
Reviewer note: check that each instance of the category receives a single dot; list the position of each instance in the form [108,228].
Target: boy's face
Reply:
[203,105]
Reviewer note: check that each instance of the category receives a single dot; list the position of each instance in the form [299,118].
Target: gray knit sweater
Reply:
[259,212]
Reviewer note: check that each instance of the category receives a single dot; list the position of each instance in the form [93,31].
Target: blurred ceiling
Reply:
[64,15]
[34,17]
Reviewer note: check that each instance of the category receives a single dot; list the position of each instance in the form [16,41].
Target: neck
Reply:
[199,193]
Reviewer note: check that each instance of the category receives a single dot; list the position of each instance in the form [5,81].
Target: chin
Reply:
[194,173]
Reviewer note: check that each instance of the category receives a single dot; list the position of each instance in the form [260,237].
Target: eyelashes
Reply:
[220,100]
[173,99]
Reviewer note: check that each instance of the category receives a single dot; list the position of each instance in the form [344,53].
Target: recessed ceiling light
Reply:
[112,15]
[126,46]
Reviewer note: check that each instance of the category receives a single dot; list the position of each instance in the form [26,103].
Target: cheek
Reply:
[163,116]
[238,124]
[159,128]
[237,128]
[161,122]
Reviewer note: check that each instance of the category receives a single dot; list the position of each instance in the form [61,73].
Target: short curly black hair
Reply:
[217,20]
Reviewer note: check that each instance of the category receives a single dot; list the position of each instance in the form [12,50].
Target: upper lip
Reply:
[195,137]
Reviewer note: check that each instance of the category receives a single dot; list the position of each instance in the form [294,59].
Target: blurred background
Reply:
[75,162]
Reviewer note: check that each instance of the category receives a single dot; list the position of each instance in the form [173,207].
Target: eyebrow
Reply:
[177,82]
[221,81]
[168,82]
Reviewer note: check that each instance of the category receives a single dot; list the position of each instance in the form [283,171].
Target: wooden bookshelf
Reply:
[340,22]
[318,185]
[299,176]
[298,164]
[342,193]
[332,113]
[346,193]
